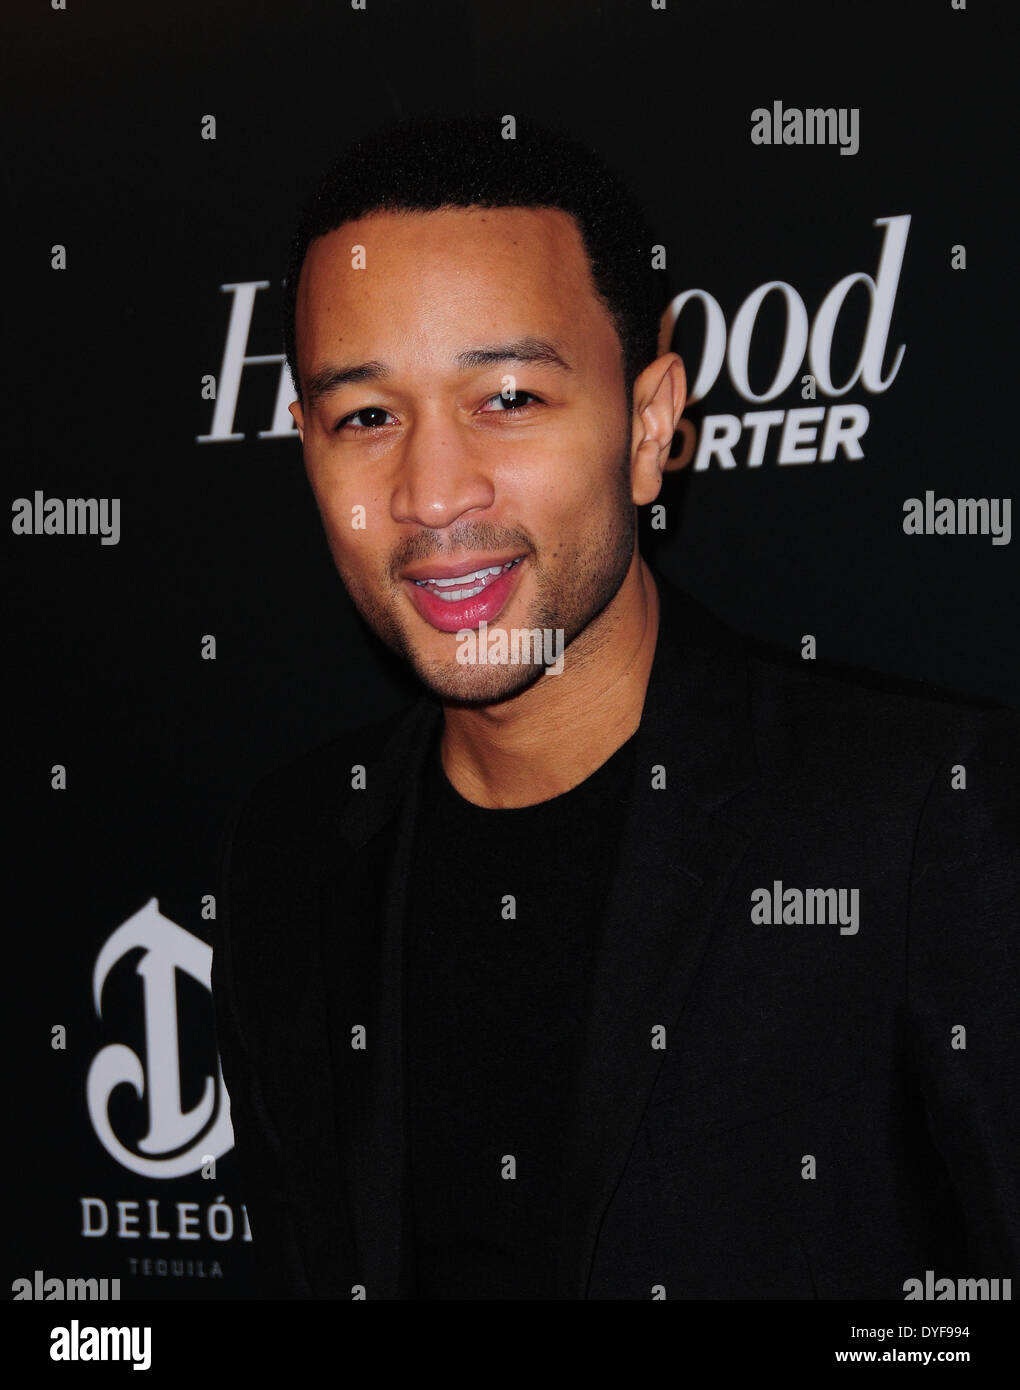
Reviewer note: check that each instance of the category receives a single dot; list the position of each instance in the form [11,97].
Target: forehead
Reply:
[435,282]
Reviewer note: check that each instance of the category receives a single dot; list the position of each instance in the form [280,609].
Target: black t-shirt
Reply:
[504,910]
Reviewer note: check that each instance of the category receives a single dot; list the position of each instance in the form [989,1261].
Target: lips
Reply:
[452,596]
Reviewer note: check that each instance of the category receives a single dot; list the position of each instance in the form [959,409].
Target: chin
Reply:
[476,685]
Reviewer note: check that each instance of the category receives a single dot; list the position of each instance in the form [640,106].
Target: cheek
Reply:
[325,478]
[356,544]
[350,514]
[578,478]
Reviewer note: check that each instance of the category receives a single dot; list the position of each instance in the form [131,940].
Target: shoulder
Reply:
[285,813]
[950,763]
[865,714]
[820,721]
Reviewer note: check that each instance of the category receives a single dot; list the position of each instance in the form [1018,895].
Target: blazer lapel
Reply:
[676,859]
[379,830]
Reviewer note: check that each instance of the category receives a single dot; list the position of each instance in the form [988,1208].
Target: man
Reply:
[631,961]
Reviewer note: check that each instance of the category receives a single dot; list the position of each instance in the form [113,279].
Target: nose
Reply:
[443,474]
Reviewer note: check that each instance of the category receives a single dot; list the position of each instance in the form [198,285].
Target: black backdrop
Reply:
[106,362]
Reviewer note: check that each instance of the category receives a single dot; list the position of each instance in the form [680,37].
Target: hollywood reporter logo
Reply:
[177,1141]
[812,434]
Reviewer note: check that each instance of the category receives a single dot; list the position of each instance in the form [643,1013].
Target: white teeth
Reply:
[462,578]
[458,595]
[463,586]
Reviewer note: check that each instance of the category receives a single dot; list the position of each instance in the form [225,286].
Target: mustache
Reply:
[464,535]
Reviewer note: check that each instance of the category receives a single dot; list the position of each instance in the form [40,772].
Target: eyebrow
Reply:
[330,378]
[534,351]
[530,351]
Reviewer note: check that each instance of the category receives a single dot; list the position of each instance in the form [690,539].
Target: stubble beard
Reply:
[586,578]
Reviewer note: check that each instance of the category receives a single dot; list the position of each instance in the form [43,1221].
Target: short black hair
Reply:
[422,165]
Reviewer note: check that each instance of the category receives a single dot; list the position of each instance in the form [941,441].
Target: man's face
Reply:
[465,410]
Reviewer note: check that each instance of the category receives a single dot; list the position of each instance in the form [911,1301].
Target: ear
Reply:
[299,418]
[659,396]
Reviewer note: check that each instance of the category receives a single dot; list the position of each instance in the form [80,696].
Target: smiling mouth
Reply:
[460,587]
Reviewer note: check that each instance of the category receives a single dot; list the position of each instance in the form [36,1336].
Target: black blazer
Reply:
[816,1124]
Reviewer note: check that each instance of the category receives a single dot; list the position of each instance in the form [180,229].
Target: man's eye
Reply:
[369,417]
[516,400]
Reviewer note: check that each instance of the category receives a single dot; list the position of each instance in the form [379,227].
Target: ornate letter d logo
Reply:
[206,1128]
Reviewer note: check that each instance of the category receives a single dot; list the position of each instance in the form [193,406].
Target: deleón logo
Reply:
[177,1141]
[813,433]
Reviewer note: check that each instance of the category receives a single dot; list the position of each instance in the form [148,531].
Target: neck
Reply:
[556,733]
